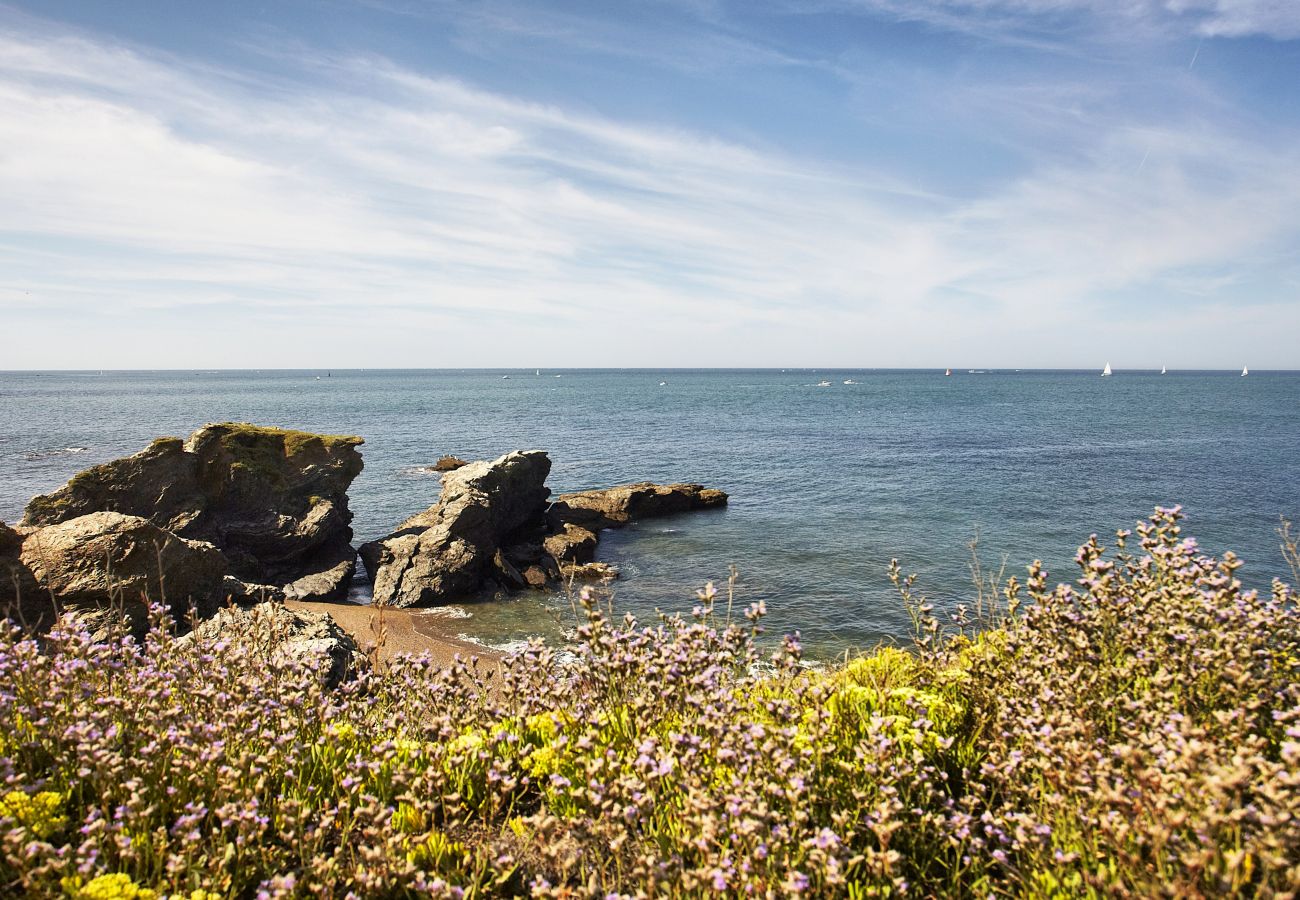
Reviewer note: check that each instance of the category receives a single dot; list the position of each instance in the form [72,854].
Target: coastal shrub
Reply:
[1136,733]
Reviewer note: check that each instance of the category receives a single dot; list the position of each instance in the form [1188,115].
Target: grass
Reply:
[1136,733]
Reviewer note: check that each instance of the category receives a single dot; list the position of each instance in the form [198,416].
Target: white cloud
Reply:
[385,217]
[1278,19]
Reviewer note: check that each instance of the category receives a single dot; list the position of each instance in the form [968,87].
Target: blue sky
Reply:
[650,183]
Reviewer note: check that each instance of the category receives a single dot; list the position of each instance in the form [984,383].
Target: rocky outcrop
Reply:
[449,464]
[449,550]
[489,528]
[274,501]
[592,571]
[109,560]
[571,543]
[281,636]
[615,507]
[329,578]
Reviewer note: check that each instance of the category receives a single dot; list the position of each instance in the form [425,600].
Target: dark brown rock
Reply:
[572,542]
[449,464]
[269,498]
[16,581]
[616,506]
[536,576]
[592,571]
[506,572]
[448,550]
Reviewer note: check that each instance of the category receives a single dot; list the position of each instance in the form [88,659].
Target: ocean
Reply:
[828,482]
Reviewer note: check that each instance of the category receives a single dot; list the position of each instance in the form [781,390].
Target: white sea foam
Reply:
[448,612]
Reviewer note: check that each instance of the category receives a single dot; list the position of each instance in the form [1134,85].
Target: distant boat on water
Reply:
[1106,371]
[823,384]
[1244,371]
[947,372]
[1163,370]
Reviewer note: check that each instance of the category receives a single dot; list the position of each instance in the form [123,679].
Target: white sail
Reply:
[1163,370]
[1244,371]
[1106,371]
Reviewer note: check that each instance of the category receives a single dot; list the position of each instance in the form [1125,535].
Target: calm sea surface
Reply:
[827,483]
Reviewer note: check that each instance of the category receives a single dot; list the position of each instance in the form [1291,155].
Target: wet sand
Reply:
[404,631]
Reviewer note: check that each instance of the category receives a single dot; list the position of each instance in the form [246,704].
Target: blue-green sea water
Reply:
[827,483]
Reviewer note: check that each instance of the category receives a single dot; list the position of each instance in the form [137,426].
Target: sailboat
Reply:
[947,371]
[1244,371]
[1106,371]
[1163,370]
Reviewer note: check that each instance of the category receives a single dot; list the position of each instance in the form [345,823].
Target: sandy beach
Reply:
[404,631]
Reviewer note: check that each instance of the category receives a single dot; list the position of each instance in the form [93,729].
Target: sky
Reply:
[650,183]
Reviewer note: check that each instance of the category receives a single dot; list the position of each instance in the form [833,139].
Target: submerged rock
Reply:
[449,550]
[271,499]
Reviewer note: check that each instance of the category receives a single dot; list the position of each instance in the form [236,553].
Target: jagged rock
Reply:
[506,571]
[616,506]
[572,542]
[592,571]
[449,464]
[330,576]
[269,498]
[246,593]
[448,550]
[279,635]
[536,577]
[107,559]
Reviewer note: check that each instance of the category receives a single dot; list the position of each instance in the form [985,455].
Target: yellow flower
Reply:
[464,743]
[41,814]
[542,726]
[116,886]
[407,819]
[543,761]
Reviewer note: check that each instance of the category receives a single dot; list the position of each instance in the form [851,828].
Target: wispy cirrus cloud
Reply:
[360,210]
[1279,19]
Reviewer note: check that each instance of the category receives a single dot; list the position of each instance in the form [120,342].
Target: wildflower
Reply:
[115,886]
[41,813]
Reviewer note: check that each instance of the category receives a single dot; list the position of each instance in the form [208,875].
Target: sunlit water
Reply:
[827,483]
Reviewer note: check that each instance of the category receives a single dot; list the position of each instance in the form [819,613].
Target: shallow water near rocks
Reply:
[827,483]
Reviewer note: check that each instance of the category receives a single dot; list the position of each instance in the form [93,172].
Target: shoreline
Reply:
[405,631]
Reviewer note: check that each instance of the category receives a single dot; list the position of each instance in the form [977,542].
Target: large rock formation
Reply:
[617,506]
[448,550]
[491,526]
[274,501]
[107,560]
